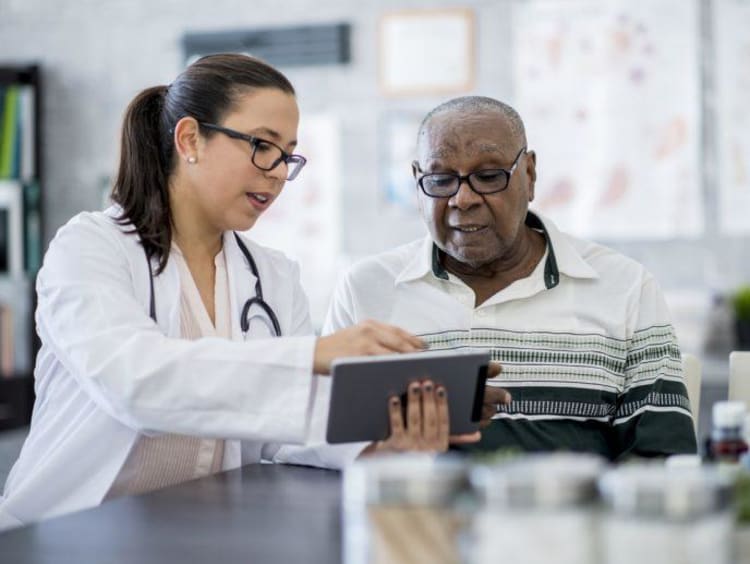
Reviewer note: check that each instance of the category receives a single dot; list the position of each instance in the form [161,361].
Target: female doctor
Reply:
[160,360]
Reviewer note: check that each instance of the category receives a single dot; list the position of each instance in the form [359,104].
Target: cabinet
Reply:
[20,237]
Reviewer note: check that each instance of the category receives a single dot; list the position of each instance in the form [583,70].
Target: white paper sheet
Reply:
[732,78]
[305,222]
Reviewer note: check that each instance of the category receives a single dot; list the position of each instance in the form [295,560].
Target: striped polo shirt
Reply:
[588,351]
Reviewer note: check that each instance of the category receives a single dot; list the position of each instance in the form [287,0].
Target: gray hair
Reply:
[477,104]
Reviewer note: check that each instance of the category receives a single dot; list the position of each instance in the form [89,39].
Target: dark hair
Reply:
[206,90]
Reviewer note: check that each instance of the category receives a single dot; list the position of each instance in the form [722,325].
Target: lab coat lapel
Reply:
[241,288]
[241,282]
[167,293]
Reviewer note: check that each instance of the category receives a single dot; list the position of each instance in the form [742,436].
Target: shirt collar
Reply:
[562,257]
[568,259]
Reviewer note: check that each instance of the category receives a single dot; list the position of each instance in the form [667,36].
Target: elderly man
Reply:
[588,352]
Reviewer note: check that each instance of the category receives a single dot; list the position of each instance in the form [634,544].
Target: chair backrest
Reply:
[691,367]
[739,377]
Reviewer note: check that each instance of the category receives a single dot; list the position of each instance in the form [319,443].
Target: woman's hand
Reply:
[365,338]
[426,424]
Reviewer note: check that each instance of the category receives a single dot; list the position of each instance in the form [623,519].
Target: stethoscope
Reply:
[272,322]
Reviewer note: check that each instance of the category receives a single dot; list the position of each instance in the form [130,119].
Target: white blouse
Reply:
[164,460]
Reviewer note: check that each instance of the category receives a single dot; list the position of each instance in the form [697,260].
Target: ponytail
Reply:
[141,185]
[206,91]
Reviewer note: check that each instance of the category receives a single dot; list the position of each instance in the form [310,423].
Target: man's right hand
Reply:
[494,396]
[363,339]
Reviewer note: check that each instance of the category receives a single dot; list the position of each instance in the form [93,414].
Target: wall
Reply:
[97,55]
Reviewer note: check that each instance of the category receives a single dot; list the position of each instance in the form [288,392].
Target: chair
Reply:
[691,367]
[739,377]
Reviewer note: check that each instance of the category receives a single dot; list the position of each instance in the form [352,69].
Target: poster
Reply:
[732,79]
[304,222]
[610,95]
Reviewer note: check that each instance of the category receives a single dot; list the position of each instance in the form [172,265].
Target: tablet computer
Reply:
[361,386]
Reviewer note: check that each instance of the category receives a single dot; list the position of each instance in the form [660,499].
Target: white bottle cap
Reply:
[729,413]
[683,461]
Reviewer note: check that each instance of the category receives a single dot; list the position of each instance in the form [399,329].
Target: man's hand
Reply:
[493,396]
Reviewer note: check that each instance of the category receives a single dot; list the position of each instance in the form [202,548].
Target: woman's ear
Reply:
[187,139]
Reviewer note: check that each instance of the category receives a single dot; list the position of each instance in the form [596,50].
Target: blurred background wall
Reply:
[96,55]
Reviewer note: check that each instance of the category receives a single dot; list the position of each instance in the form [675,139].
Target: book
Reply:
[8,132]
[26,168]
[32,227]
[11,227]
[7,342]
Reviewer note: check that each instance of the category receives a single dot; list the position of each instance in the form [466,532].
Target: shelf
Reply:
[21,208]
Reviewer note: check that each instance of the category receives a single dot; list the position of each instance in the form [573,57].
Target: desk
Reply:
[259,513]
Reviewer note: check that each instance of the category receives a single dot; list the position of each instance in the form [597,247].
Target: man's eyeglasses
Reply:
[447,184]
[266,155]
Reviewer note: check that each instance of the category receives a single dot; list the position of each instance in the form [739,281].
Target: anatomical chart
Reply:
[609,93]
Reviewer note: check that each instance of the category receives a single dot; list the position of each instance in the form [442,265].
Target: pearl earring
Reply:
[192,160]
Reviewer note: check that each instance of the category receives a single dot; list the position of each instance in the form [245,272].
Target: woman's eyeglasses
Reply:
[266,155]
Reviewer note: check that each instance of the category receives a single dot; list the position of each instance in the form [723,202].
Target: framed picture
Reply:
[427,51]
[11,231]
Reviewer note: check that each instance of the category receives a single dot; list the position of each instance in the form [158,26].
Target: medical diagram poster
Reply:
[610,95]
[732,79]
[305,221]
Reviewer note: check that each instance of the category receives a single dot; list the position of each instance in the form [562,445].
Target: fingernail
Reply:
[441,392]
[395,402]
[427,387]
[415,389]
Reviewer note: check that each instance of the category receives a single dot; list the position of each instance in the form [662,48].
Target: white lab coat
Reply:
[106,373]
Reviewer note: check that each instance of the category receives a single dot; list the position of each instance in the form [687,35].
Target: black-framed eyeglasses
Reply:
[266,155]
[486,181]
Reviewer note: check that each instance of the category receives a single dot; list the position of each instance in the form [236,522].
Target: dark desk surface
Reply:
[259,513]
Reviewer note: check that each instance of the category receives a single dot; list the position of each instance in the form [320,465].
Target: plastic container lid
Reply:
[550,480]
[729,414]
[406,479]
[655,490]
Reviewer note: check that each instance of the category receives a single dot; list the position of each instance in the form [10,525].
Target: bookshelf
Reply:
[21,237]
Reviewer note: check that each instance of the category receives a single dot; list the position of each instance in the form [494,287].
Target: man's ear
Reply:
[530,168]
[187,139]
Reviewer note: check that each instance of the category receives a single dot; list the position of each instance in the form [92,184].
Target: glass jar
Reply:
[536,509]
[727,443]
[657,514]
[400,509]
